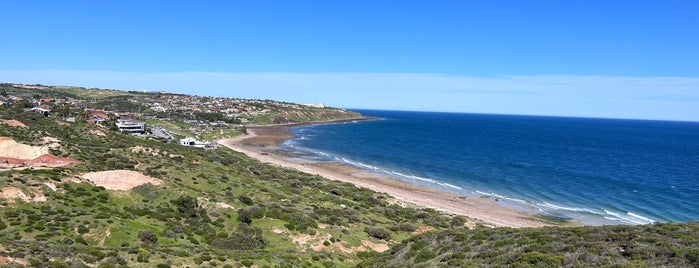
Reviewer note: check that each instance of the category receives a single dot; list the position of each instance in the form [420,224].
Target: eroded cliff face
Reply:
[16,155]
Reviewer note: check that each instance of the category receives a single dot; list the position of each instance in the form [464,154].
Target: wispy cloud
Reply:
[674,98]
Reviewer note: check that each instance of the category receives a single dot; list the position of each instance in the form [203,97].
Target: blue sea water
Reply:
[594,171]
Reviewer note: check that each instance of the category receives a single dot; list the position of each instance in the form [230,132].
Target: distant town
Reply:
[191,120]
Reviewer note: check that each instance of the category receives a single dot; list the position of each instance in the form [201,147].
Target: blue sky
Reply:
[623,59]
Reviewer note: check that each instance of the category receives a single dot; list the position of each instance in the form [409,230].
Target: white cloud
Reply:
[673,98]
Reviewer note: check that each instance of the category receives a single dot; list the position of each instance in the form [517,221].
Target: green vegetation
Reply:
[656,245]
[219,208]
[216,207]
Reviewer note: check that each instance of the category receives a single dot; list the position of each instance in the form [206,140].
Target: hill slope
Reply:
[162,204]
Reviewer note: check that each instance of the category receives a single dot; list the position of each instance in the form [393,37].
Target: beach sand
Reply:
[261,143]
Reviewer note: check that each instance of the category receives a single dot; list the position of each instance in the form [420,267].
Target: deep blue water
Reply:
[596,171]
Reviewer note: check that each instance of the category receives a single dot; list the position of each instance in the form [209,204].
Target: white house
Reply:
[192,143]
[131,126]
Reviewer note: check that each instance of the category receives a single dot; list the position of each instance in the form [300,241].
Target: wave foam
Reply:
[630,217]
[573,209]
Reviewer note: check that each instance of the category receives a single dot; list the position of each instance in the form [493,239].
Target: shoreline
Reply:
[261,143]
[296,124]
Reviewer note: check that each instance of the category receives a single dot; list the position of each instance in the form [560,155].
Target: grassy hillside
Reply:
[219,208]
[216,207]
[656,245]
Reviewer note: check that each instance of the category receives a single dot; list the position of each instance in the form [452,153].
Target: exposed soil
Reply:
[12,149]
[376,247]
[51,185]
[17,155]
[119,179]
[11,193]
[223,205]
[48,160]
[13,123]
[278,230]
[423,229]
[98,132]
[106,235]
[145,150]
[315,241]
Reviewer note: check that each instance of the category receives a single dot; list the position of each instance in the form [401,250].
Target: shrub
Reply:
[245,200]
[245,215]
[187,206]
[458,221]
[407,227]
[247,263]
[378,233]
[245,238]
[148,237]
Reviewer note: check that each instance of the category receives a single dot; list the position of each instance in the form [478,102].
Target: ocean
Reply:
[591,171]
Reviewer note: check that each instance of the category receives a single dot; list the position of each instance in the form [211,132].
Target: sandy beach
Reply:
[260,143]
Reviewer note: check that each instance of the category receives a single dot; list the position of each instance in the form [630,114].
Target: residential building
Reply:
[131,126]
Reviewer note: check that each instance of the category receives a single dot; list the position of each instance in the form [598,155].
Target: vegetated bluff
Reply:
[219,208]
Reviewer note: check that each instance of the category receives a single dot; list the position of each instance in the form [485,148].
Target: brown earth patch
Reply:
[51,185]
[13,123]
[380,247]
[48,140]
[8,162]
[366,244]
[11,193]
[39,196]
[423,229]
[145,150]
[106,235]
[224,205]
[97,132]
[277,230]
[119,179]
[48,160]
[315,241]
[9,260]
[15,155]
[12,149]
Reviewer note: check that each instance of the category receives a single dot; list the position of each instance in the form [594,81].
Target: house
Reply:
[98,117]
[99,114]
[191,142]
[45,112]
[131,126]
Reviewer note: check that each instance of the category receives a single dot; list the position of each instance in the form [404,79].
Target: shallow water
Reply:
[596,171]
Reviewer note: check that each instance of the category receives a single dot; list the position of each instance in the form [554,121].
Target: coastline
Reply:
[261,143]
